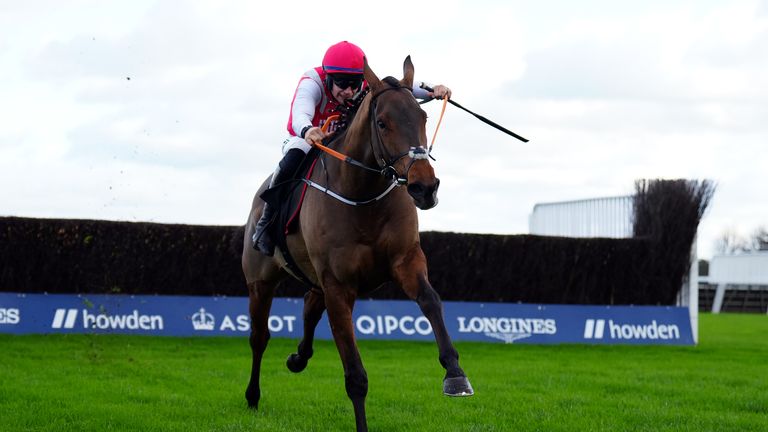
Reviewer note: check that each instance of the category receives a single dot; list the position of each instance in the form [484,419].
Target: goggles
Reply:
[343,81]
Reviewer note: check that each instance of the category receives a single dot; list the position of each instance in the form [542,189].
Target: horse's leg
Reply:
[411,273]
[314,305]
[339,301]
[260,302]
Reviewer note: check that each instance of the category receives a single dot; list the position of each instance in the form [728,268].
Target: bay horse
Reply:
[346,250]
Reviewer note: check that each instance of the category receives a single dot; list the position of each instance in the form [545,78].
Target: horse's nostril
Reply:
[416,189]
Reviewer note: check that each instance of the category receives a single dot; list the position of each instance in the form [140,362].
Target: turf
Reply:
[102,383]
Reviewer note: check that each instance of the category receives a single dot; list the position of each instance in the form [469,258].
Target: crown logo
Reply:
[203,320]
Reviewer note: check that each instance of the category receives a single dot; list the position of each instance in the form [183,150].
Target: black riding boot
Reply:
[285,170]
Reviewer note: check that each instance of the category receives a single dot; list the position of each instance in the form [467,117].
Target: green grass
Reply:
[101,383]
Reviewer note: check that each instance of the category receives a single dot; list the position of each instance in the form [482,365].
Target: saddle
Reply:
[287,198]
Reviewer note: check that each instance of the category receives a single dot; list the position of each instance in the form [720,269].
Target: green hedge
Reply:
[91,256]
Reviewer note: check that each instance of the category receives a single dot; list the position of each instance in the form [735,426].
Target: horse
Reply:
[346,250]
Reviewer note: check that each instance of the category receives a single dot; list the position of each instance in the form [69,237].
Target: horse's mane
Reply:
[357,124]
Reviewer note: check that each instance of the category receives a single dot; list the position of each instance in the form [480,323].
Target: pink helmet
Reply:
[344,58]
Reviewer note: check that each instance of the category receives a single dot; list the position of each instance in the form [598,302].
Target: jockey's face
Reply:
[345,85]
[341,94]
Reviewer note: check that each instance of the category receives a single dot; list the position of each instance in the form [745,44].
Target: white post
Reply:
[717,303]
[689,293]
[693,291]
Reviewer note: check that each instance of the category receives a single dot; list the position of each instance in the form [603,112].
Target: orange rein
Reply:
[342,157]
[440,120]
[328,150]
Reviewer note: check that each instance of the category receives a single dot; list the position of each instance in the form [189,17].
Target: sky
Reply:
[175,111]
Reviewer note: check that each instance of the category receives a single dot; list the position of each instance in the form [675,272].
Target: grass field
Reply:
[102,383]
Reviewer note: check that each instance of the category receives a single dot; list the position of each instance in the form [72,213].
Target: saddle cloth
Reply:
[287,197]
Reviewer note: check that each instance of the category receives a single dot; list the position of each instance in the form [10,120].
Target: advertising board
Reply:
[373,319]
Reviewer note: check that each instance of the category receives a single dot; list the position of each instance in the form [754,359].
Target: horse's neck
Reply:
[351,180]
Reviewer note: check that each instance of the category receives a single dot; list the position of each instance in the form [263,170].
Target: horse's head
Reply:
[399,139]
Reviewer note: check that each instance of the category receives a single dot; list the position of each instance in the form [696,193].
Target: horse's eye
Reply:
[381,124]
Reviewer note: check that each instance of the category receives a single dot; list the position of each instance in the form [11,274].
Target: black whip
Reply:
[481,118]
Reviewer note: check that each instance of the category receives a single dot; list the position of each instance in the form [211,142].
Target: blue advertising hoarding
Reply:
[373,319]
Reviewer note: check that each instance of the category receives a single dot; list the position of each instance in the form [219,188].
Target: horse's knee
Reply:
[356,382]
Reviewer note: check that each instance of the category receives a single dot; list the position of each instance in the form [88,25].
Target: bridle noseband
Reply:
[389,170]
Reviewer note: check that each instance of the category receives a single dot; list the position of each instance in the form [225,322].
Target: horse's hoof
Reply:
[457,386]
[296,363]
[253,398]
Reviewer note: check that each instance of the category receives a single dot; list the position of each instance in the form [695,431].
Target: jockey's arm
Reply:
[438,91]
[308,96]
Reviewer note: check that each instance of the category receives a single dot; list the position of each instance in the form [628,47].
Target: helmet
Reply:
[344,58]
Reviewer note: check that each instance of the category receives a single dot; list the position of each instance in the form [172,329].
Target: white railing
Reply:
[595,217]
[610,217]
[736,272]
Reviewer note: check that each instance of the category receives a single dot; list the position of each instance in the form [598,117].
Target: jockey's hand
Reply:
[440,91]
[315,135]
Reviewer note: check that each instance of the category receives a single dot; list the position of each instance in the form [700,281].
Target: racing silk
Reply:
[312,103]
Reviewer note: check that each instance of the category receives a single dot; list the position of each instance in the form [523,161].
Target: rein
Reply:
[338,155]
[386,164]
[437,128]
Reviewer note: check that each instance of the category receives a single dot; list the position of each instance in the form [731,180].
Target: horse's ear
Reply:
[373,81]
[407,80]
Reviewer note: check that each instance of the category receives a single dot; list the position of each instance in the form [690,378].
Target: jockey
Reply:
[319,92]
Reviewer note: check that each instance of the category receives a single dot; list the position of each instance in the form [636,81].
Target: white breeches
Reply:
[293,142]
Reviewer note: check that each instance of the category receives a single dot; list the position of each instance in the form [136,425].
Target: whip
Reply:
[479,117]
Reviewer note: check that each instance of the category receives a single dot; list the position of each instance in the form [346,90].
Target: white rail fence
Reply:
[595,217]
[610,217]
[737,272]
